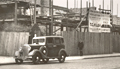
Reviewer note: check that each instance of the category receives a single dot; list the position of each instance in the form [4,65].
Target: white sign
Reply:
[97,20]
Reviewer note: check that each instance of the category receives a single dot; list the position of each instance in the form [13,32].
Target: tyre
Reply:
[62,57]
[36,58]
[18,61]
[45,60]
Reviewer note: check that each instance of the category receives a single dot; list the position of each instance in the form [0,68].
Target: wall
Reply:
[11,41]
[94,43]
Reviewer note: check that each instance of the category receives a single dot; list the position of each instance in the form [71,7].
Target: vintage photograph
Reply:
[59,34]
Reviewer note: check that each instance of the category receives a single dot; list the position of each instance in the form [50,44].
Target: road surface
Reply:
[96,63]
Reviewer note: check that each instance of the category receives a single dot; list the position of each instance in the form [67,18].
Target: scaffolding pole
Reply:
[16,11]
[51,24]
[35,12]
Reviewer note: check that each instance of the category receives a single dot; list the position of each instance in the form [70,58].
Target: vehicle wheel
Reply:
[36,58]
[18,61]
[62,57]
[45,60]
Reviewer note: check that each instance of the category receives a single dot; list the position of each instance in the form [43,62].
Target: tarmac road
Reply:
[96,63]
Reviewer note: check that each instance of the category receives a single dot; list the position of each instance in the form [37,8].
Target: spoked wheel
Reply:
[62,57]
[45,60]
[36,58]
[18,61]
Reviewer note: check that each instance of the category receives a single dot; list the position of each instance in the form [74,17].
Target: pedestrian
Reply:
[81,46]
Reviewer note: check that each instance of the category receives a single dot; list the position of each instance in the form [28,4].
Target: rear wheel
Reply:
[62,57]
[18,61]
[36,58]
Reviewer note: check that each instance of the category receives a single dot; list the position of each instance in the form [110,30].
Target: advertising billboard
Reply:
[99,22]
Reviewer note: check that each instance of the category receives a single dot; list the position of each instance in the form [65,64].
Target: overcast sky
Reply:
[96,4]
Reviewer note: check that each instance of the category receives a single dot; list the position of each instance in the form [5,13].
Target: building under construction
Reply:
[47,19]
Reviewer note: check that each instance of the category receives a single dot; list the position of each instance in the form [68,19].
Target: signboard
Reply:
[99,22]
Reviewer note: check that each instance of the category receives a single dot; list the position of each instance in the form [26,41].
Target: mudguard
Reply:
[22,53]
[35,51]
[63,50]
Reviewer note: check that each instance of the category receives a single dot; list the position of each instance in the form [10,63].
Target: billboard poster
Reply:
[98,22]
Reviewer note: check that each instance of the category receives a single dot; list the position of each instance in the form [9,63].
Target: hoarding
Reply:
[99,22]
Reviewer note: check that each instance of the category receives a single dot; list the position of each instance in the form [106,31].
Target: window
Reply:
[62,40]
[57,41]
[38,41]
[35,41]
[41,40]
[49,40]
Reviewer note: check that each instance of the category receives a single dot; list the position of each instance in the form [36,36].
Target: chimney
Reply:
[45,7]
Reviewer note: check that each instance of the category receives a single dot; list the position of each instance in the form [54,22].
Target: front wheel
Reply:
[45,60]
[18,61]
[36,58]
[62,57]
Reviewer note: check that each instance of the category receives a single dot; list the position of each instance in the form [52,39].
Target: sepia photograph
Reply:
[59,34]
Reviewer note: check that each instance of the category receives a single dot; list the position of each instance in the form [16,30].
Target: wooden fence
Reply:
[94,43]
[116,42]
[11,41]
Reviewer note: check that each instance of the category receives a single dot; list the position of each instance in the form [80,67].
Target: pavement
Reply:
[6,59]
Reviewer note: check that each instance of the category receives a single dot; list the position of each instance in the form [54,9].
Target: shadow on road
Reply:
[30,63]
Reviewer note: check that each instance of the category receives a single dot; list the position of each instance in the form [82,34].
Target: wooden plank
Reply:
[8,46]
[105,44]
[108,35]
[75,42]
[100,43]
[118,43]
[90,48]
[92,43]
[3,43]
[87,47]
[111,43]
[115,43]
[0,43]
[102,40]
[108,44]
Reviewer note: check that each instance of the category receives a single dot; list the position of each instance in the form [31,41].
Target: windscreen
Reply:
[37,41]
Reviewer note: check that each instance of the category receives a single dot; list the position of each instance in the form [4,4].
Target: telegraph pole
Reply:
[51,26]
[16,11]
[103,5]
[80,9]
[92,3]
[35,12]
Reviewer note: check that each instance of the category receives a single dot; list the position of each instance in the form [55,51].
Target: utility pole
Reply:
[51,26]
[75,5]
[80,12]
[16,11]
[35,12]
[92,3]
[103,5]
[117,9]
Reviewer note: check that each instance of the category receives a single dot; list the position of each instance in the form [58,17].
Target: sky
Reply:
[71,3]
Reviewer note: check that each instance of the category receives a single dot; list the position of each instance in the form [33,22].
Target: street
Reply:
[96,63]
